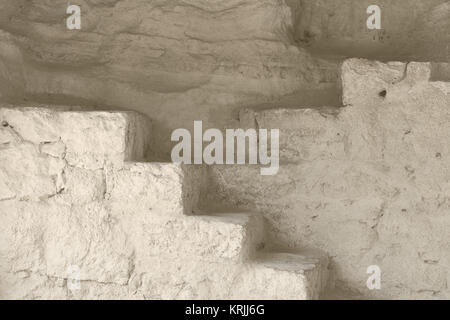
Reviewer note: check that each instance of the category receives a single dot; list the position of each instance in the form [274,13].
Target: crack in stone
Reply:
[405,73]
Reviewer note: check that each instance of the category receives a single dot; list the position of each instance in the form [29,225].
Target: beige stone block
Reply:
[157,188]
[281,276]
[83,186]
[27,174]
[91,139]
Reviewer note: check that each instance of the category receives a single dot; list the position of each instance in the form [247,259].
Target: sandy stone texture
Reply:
[70,196]
[411,30]
[176,61]
[367,184]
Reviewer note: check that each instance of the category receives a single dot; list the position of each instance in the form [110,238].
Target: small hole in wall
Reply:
[383,94]
[5,124]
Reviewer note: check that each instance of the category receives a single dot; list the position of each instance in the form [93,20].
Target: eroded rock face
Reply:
[410,30]
[176,61]
[70,199]
[369,184]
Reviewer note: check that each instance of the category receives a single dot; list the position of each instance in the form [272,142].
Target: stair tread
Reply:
[299,276]
[232,218]
[234,236]
[288,261]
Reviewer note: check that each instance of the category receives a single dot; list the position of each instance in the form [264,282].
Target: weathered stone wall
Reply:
[176,61]
[179,61]
[70,197]
[67,197]
[368,184]
[411,30]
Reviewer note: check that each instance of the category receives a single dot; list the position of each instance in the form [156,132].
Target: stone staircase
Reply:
[366,183]
[74,191]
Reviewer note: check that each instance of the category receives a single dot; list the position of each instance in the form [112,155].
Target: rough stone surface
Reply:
[410,29]
[87,140]
[164,188]
[176,61]
[129,227]
[368,185]
[284,276]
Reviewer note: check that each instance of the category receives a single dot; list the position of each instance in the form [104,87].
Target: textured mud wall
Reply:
[176,61]
[410,29]
[67,198]
[69,201]
[366,184]
[369,185]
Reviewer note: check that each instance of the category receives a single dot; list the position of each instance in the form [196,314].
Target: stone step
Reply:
[163,189]
[86,139]
[233,236]
[231,239]
[277,276]
[105,244]
[288,276]
[48,150]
